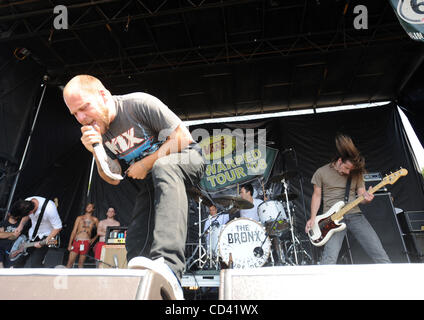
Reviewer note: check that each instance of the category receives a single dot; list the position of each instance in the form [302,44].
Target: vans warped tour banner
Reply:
[235,157]
[411,16]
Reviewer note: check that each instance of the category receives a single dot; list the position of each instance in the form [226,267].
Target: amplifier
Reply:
[116,235]
[373,178]
[411,221]
[113,256]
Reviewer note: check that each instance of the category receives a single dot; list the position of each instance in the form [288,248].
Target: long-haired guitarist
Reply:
[330,183]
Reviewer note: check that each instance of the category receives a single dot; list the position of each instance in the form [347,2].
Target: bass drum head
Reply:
[247,242]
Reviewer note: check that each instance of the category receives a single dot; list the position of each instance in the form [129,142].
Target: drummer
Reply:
[215,220]
[246,192]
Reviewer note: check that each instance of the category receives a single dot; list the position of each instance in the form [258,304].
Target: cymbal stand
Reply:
[303,256]
[209,246]
[284,182]
[212,263]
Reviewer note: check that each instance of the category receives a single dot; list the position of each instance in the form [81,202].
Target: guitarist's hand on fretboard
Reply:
[368,195]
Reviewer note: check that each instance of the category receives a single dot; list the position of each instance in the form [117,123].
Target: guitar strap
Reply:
[348,182]
[40,217]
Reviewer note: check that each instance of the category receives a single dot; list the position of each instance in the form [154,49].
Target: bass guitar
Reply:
[21,245]
[328,223]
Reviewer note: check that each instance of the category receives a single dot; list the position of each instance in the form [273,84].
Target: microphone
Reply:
[258,252]
[100,153]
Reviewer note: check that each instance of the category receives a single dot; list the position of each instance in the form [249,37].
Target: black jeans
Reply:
[158,227]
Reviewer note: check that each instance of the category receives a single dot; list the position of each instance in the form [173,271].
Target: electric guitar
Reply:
[328,223]
[21,244]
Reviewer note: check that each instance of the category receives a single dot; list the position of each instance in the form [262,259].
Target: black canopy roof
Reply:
[211,58]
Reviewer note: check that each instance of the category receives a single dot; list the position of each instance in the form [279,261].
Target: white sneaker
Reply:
[160,267]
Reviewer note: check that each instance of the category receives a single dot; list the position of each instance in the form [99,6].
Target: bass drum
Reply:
[247,242]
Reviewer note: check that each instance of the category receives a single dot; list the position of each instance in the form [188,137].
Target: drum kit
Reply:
[244,242]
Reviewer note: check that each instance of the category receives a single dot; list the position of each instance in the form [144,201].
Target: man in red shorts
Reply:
[80,240]
[101,231]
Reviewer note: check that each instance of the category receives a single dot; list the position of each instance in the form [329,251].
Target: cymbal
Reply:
[284,175]
[237,202]
[196,194]
[282,196]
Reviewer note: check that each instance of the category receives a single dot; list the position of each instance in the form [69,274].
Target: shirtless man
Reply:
[80,240]
[101,230]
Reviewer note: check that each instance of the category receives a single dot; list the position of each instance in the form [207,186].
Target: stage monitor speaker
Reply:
[411,221]
[54,257]
[314,282]
[113,255]
[415,245]
[381,215]
[83,284]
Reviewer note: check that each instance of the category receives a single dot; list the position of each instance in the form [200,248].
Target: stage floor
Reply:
[311,282]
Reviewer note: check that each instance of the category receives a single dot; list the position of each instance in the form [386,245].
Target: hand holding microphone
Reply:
[90,137]
[92,140]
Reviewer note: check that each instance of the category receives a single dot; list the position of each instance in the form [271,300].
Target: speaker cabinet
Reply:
[83,284]
[382,216]
[411,221]
[412,226]
[54,257]
[112,256]
[415,245]
[329,282]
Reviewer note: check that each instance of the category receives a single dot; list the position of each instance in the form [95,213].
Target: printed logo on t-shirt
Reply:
[128,147]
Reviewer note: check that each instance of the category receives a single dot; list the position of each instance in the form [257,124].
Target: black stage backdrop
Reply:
[20,82]
[411,99]
[59,166]
[378,132]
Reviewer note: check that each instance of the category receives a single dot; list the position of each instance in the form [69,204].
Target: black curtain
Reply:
[20,82]
[57,164]
[377,132]
[411,100]
[306,142]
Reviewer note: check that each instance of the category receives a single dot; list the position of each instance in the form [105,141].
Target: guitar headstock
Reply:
[394,176]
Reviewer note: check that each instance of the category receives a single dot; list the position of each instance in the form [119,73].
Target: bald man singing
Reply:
[146,142]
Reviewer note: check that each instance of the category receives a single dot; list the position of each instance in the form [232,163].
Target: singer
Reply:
[144,138]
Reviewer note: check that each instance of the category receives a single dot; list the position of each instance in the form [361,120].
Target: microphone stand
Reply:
[15,182]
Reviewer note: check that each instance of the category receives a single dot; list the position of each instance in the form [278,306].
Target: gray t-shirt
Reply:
[142,124]
[333,186]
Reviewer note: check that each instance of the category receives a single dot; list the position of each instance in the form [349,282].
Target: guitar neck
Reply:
[32,244]
[339,214]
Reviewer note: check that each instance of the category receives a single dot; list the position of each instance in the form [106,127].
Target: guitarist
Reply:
[49,226]
[330,181]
